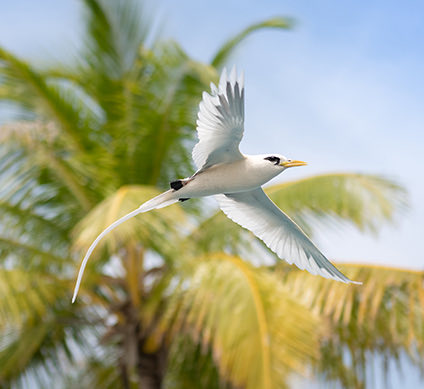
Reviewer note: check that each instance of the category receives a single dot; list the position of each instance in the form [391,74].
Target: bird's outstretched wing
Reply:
[220,122]
[255,211]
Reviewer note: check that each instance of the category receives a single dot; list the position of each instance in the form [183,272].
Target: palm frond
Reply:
[66,130]
[225,51]
[36,95]
[162,114]
[26,296]
[112,66]
[217,233]
[195,369]
[34,226]
[29,133]
[257,333]
[99,371]
[12,248]
[115,32]
[156,229]
[364,200]
[385,316]
[38,330]
[35,222]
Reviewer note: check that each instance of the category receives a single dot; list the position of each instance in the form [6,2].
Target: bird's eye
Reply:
[274,160]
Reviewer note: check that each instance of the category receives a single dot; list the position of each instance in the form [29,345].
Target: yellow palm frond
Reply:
[26,295]
[385,315]
[156,229]
[256,331]
[37,325]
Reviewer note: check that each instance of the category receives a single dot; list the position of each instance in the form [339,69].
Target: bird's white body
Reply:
[235,180]
[252,171]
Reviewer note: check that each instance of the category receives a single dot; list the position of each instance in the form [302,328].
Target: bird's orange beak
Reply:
[292,163]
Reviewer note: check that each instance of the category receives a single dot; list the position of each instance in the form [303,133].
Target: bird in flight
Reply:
[236,180]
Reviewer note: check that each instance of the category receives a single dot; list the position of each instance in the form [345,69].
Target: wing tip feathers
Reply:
[233,78]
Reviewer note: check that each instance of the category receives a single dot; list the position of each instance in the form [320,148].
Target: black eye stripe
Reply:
[273,159]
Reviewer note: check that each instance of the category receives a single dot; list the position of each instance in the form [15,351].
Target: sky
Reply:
[343,90]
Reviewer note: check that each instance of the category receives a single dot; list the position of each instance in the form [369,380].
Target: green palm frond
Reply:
[35,222]
[27,213]
[162,112]
[384,316]
[33,230]
[198,369]
[115,32]
[27,296]
[32,254]
[361,199]
[48,142]
[216,233]
[256,331]
[99,371]
[223,54]
[51,168]
[113,72]
[29,133]
[38,328]
[31,90]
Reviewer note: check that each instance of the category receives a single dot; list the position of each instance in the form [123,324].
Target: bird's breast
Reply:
[232,177]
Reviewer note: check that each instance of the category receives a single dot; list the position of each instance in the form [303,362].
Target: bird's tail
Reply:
[160,201]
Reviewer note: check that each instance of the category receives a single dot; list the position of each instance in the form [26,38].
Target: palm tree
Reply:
[167,300]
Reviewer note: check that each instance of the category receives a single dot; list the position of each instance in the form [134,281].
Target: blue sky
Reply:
[343,90]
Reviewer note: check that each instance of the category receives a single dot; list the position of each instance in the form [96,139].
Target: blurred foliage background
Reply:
[180,297]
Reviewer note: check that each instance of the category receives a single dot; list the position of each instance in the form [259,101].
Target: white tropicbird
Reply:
[235,179]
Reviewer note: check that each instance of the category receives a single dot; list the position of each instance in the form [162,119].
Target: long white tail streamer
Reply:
[160,201]
[94,244]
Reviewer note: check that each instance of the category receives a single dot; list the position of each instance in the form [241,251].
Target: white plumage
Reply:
[255,211]
[220,122]
[235,180]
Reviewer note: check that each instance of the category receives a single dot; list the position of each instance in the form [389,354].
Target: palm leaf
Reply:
[363,200]
[198,369]
[257,333]
[99,371]
[225,51]
[156,229]
[29,133]
[33,229]
[385,316]
[37,155]
[163,111]
[41,141]
[36,93]
[217,232]
[38,329]
[26,296]
[115,32]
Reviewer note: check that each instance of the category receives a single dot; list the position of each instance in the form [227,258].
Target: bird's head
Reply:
[281,162]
